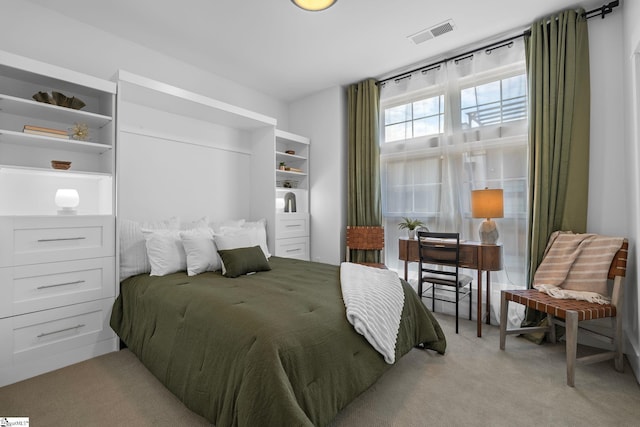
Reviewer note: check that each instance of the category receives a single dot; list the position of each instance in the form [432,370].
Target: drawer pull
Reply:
[60,284]
[61,239]
[292,250]
[45,334]
[293,225]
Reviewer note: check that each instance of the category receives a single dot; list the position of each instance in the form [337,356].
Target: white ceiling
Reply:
[283,51]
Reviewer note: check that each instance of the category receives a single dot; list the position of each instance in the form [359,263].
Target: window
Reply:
[495,102]
[432,156]
[415,119]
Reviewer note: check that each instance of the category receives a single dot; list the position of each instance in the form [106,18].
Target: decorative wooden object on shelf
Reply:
[60,164]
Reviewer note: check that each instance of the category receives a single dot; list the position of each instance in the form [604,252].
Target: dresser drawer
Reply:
[296,247]
[45,340]
[38,287]
[292,225]
[33,240]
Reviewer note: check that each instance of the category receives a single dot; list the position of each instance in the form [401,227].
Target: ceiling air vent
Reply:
[435,31]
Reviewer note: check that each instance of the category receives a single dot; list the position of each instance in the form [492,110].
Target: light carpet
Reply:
[473,384]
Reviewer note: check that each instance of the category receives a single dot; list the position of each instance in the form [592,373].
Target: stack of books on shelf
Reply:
[42,131]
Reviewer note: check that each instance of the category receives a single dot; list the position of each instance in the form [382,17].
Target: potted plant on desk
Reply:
[410,225]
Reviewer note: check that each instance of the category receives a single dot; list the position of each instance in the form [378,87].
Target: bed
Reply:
[272,348]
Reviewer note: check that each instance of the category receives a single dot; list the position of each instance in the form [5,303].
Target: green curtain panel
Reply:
[363,196]
[557,53]
[559,109]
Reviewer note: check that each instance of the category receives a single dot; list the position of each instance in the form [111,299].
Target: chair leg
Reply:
[571,326]
[619,358]
[504,307]
[470,300]
[457,301]
[433,297]
[551,334]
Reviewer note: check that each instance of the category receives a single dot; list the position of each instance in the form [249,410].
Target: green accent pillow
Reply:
[241,261]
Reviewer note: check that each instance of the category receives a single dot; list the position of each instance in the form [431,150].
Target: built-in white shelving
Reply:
[292,229]
[39,141]
[27,176]
[57,271]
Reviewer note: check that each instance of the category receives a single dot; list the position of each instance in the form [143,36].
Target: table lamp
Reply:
[67,200]
[487,203]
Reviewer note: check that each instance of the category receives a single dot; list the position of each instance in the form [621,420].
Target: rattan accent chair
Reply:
[439,266]
[368,238]
[569,313]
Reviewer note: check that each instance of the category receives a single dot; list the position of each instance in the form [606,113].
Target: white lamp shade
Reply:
[67,198]
[314,5]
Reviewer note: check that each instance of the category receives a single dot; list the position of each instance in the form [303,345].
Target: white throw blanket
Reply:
[374,300]
[575,266]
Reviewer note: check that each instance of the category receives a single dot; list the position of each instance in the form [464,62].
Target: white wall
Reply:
[39,33]
[630,62]
[607,169]
[613,171]
[322,118]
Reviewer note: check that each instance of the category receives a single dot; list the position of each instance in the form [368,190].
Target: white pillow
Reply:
[251,233]
[201,251]
[133,250]
[165,251]
[239,239]
[258,230]
[219,227]
[198,223]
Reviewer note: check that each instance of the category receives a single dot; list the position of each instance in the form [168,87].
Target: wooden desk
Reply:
[473,255]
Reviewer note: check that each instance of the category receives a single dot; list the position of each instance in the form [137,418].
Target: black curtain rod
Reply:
[601,11]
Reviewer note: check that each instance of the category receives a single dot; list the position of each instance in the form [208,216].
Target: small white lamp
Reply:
[67,200]
[487,203]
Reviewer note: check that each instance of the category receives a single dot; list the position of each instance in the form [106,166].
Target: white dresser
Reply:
[57,288]
[292,235]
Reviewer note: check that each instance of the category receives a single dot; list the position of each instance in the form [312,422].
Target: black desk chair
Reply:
[439,266]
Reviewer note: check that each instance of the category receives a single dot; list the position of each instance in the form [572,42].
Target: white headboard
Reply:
[182,154]
[160,177]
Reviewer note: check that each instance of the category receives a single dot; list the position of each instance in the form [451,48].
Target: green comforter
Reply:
[268,349]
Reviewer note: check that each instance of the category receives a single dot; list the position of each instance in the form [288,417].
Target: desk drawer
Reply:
[38,287]
[33,240]
[468,256]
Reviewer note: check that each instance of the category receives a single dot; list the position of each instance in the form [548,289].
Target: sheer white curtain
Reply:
[452,128]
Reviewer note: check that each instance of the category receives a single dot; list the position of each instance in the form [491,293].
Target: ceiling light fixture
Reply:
[314,5]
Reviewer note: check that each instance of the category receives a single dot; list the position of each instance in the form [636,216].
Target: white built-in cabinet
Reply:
[186,134]
[292,195]
[57,272]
